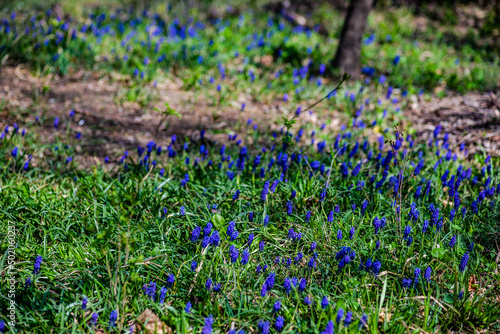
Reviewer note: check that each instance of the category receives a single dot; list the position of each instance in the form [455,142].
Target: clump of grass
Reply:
[216,235]
[358,227]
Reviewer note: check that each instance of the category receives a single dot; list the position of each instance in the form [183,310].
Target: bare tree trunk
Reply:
[348,56]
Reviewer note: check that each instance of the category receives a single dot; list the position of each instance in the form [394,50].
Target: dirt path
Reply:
[110,126]
[472,119]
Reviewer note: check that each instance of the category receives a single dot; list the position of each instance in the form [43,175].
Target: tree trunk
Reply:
[348,56]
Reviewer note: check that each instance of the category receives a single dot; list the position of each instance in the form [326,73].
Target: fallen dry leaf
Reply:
[472,283]
[150,323]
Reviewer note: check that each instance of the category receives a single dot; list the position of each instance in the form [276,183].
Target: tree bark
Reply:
[348,56]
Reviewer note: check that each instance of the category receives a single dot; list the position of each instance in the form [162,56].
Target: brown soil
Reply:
[473,119]
[109,125]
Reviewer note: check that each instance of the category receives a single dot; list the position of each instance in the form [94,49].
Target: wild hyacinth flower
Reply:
[348,319]
[375,267]
[427,274]
[170,280]
[376,224]
[308,217]
[356,170]
[340,315]
[163,294]
[289,208]
[230,228]
[277,306]
[188,307]
[407,232]
[233,253]
[417,192]
[38,263]
[409,241]
[364,205]
[244,256]
[302,284]
[266,220]
[363,321]
[112,318]
[93,319]
[425,226]
[265,191]
[330,217]
[263,290]
[324,303]
[195,234]
[471,247]
[207,328]
[322,195]
[13,153]
[215,238]
[463,262]
[453,241]
[208,229]
[236,195]
[416,275]
[264,327]
[406,283]
[329,329]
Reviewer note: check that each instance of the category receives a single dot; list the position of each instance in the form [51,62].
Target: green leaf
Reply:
[438,252]
[218,221]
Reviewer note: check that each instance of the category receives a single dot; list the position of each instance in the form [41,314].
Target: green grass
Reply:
[103,232]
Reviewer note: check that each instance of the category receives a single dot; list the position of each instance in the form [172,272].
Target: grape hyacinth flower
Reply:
[348,319]
[13,153]
[340,315]
[463,262]
[324,303]
[207,328]
[264,327]
[38,263]
[163,294]
[233,253]
[363,321]
[277,306]
[453,241]
[187,309]
[244,256]
[329,329]
[112,318]
[427,274]
[93,319]
[417,275]
[280,322]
